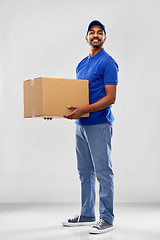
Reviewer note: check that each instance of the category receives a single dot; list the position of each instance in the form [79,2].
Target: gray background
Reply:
[46,38]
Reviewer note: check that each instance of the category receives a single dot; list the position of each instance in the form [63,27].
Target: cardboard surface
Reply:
[49,97]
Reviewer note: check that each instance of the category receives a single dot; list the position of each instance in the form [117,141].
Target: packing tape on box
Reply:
[32,82]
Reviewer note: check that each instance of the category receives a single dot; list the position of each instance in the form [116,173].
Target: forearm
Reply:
[99,105]
[104,102]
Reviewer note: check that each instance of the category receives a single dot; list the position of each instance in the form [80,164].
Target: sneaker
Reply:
[101,227]
[79,220]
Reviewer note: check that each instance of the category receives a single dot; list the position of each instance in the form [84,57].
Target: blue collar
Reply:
[97,55]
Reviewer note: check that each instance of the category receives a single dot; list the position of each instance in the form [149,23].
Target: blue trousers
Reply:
[93,149]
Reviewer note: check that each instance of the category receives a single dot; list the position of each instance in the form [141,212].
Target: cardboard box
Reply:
[49,97]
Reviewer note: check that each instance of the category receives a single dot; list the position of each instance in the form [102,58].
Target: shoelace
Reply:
[100,223]
[77,217]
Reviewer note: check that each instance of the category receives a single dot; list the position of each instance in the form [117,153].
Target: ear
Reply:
[105,38]
[86,37]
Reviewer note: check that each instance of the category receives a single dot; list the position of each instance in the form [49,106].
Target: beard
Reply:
[96,46]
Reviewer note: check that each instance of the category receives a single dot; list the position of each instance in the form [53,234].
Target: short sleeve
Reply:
[110,76]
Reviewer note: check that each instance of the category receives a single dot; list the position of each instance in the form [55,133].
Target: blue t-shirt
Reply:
[100,70]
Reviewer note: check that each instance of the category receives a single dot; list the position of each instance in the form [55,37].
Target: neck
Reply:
[94,51]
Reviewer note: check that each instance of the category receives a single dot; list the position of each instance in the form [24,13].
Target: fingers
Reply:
[69,116]
[72,107]
[47,118]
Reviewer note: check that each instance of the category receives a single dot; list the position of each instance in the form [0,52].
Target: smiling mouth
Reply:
[95,40]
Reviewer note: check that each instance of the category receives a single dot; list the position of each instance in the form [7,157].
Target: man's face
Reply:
[96,37]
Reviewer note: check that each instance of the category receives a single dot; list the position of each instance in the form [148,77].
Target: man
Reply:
[94,133]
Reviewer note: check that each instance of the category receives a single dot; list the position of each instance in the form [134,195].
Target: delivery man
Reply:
[94,133]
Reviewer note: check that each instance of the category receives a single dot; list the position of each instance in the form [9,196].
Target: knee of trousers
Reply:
[85,175]
[105,175]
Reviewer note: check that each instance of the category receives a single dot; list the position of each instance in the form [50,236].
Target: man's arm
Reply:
[99,105]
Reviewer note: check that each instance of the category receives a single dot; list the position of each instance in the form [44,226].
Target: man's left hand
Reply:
[76,114]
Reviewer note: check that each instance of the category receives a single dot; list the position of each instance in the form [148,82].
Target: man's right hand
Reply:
[48,119]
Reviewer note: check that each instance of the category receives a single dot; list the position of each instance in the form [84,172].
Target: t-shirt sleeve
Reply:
[111,73]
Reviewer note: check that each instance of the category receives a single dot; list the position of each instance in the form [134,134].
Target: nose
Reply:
[95,34]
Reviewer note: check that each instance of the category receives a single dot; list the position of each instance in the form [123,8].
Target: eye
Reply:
[91,32]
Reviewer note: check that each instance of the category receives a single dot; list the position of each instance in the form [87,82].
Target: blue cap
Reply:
[96,22]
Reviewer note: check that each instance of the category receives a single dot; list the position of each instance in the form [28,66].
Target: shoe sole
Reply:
[96,231]
[66,224]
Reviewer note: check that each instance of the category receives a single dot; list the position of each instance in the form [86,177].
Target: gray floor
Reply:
[43,221]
